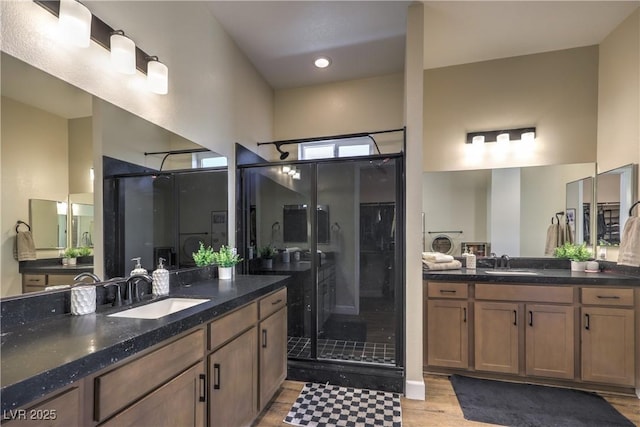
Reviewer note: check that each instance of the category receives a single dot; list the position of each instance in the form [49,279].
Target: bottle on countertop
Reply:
[138,268]
[160,284]
[471,259]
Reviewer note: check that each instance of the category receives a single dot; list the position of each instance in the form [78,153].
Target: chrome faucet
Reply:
[84,274]
[132,294]
[505,261]
[494,257]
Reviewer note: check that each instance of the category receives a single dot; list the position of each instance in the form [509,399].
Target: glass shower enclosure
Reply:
[336,226]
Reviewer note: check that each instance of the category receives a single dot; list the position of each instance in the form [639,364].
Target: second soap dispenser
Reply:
[160,277]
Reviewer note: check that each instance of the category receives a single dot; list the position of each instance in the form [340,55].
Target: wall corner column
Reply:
[414,75]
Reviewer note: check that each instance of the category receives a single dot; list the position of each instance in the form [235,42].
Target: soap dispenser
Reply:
[471,259]
[160,284]
[138,268]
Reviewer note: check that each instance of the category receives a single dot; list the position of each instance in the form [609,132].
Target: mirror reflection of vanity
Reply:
[55,123]
[458,204]
[579,210]
[616,193]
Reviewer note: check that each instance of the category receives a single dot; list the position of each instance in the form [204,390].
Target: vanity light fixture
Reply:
[123,52]
[74,20]
[502,136]
[157,76]
[322,62]
[292,171]
[296,175]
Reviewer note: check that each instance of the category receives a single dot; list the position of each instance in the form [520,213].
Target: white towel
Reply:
[24,249]
[436,257]
[552,239]
[629,252]
[453,265]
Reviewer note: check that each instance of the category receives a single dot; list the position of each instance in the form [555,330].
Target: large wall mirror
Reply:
[466,208]
[48,128]
[616,193]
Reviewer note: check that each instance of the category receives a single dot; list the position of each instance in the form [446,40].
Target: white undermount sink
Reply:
[511,272]
[158,309]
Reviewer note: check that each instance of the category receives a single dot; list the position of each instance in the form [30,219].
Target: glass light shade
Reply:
[123,54]
[477,140]
[74,20]
[296,175]
[292,171]
[322,62]
[286,169]
[528,137]
[503,137]
[158,77]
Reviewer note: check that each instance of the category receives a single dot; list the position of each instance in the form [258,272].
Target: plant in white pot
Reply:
[204,256]
[578,254]
[70,256]
[226,258]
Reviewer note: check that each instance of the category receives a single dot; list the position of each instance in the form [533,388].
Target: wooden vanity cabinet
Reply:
[128,393]
[547,332]
[273,345]
[608,339]
[447,329]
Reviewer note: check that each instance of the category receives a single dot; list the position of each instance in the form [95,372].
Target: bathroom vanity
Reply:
[558,327]
[216,363]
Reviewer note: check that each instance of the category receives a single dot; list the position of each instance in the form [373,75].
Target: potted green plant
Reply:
[226,258]
[70,256]
[84,255]
[267,253]
[577,254]
[204,256]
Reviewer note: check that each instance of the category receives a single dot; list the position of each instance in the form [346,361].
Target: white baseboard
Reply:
[415,390]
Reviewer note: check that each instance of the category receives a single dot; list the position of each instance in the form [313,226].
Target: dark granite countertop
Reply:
[542,276]
[41,356]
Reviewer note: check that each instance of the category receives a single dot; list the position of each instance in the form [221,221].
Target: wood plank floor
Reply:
[440,409]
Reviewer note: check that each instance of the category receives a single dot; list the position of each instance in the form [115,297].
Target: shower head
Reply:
[283,154]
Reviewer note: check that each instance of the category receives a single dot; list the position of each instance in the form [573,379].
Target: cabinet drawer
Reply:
[120,387]
[34,280]
[60,279]
[447,290]
[607,296]
[222,330]
[272,303]
[525,293]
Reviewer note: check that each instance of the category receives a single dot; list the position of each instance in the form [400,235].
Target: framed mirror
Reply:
[48,219]
[616,192]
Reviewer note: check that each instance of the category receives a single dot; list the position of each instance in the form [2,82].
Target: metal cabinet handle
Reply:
[587,321]
[608,297]
[264,338]
[216,376]
[464,314]
[277,302]
[515,317]
[203,388]
[530,318]
[447,291]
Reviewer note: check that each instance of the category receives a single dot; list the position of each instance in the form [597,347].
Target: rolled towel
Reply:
[452,265]
[629,252]
[436,257]
[24,248]
[552,239]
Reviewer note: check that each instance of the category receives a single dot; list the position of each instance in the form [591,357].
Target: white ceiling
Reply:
[366,38]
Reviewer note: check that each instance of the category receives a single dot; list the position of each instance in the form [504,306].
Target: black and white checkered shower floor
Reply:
[300,347]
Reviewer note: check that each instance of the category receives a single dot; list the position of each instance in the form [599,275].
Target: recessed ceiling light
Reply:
[322,62]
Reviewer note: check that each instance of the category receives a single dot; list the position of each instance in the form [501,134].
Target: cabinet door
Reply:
[447,333]
[608,345]
[180,402]
[63,409]
[273,354]
[550,341]
[496,337]
[233,374]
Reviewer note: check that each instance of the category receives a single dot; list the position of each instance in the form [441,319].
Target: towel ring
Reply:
[19,223]
[633,206]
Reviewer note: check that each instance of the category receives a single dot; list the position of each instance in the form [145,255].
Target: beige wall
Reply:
[34,166]
[80,155]
[557,92]
[619,96]
[353,106]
